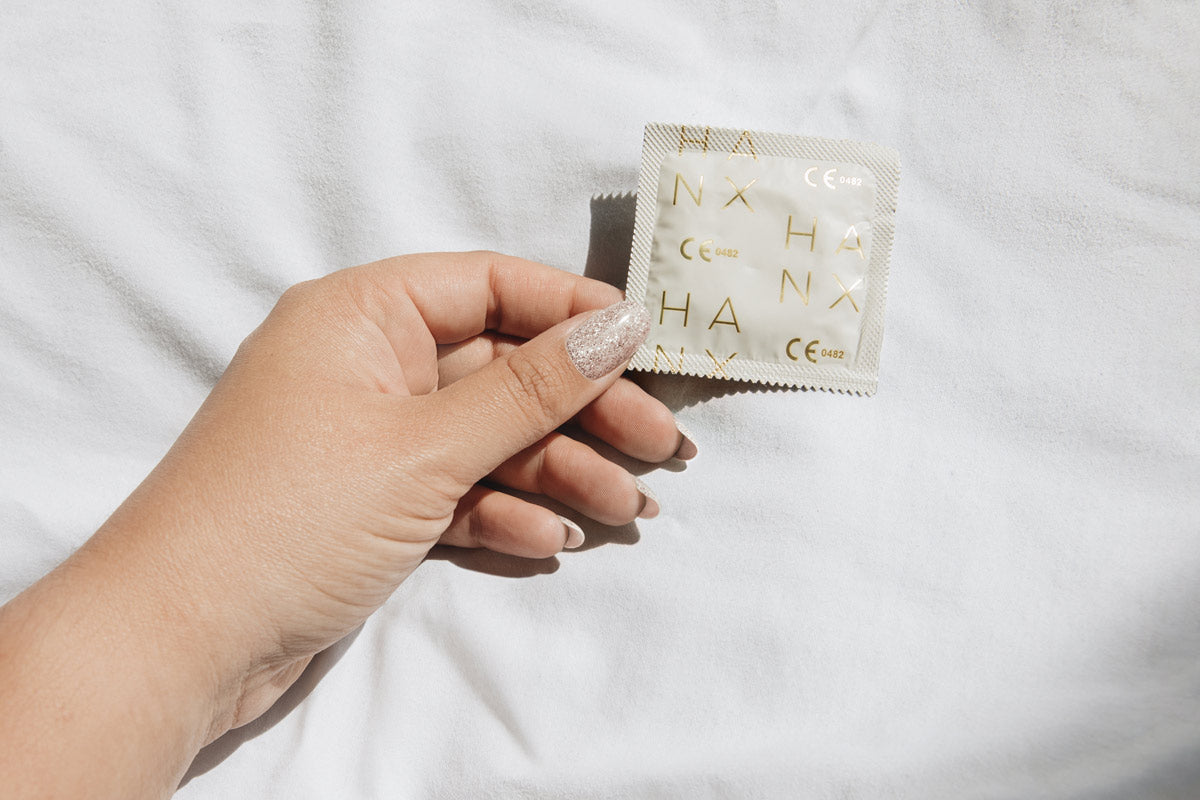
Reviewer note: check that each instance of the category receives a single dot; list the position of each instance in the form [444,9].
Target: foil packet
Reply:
[763,256]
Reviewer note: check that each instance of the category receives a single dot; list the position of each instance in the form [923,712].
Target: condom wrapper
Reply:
[762,256]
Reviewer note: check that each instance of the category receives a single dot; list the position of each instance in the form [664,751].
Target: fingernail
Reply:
[608,338]
[687,449]
[574,534]
[650,507]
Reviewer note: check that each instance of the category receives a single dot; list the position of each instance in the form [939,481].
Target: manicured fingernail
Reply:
[574,534]
[608,338]
[650,507]
[687,449]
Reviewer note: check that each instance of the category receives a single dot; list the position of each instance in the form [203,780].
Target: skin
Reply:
[376,412]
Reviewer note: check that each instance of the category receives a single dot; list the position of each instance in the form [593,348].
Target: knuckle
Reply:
[296,295]
[308,301]
[542,475]
[538,388]
[476,527]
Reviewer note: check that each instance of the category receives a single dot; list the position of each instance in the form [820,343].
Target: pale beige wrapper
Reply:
[763,257]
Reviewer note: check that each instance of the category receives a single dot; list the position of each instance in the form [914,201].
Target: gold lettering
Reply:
[658,350]
[787,278]
[846,292]
[718,366]
[687,305]
[682,248]
[718,321]
[737,193]
[745,137]
[685,139]
[857,243]
[699,193]
[809,351]
[704,249]
[812,237]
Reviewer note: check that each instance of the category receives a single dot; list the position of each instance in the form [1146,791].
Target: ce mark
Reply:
[703,249]
[826,177]
[809,351]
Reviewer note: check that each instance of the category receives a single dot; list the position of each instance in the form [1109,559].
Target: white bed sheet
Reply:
[982,582]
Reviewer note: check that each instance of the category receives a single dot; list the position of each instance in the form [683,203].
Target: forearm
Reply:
[337,448]
[104,690]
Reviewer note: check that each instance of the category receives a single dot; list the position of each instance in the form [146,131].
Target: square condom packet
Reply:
[762,256]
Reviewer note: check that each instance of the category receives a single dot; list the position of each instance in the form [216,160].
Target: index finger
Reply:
[460,295]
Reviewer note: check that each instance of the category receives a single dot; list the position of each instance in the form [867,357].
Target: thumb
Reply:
[489,416]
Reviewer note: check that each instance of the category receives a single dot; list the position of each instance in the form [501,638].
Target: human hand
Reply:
[353,430]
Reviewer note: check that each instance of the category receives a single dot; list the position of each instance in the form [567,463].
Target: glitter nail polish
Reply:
[608,338]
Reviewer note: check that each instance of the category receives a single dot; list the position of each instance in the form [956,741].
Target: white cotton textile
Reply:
[983,582]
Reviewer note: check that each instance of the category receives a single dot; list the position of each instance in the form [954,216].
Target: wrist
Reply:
[105,660]
[175,626]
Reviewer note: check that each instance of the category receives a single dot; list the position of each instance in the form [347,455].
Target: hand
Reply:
[350,433]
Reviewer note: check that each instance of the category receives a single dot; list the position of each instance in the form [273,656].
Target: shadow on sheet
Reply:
[222,747]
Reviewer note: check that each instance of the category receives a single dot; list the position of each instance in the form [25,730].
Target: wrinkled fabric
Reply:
[980,583]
